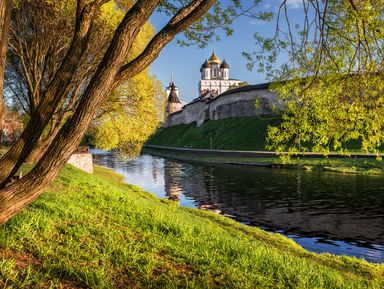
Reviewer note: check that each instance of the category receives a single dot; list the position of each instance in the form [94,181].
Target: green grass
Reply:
[240,133]
[107,173]
[237,133]
[92,231]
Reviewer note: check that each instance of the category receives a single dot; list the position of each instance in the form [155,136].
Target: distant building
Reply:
[220,97]
[11,128]
[215,77]
[174,104]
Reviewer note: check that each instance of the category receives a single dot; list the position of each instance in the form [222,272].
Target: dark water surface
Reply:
[323,212]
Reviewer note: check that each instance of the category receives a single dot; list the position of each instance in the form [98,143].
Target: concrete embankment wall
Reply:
[237,103]
[82,161]
[255,154]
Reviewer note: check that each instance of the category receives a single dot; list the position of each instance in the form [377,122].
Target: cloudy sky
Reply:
[184,63]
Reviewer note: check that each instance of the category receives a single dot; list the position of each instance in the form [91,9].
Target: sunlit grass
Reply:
[89,231]
[239,133]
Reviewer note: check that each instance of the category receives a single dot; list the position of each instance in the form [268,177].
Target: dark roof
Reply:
[224,64]
[244,88]
[172,97]
[205,64]
[176,112]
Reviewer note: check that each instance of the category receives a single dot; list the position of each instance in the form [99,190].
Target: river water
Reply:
[323,212]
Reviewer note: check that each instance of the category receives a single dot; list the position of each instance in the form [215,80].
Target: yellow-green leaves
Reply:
[130,116]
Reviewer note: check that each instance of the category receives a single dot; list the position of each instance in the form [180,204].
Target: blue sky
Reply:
[184,62]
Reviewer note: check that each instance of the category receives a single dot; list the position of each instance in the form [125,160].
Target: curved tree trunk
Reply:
[5,20]
[42,146]
[17,195]
[56,92]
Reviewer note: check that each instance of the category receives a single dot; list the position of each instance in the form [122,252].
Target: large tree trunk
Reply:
[5,20]
[42,146]
[55,93]
[17,195]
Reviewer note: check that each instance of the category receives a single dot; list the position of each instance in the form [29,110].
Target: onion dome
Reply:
[214,59]
[224,64]
[172,97]
[206,64]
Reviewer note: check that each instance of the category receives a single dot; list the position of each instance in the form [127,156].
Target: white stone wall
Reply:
[219,85]
[82,161]
[235,104]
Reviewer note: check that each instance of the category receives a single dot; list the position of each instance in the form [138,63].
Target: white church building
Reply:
[215,77]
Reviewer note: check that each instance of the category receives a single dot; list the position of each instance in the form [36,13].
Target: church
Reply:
[214,81]
[215,77]
[219,97]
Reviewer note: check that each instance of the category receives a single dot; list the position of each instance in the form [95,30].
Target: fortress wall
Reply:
[196,112]
[174,119]
[243,104]
[237,104]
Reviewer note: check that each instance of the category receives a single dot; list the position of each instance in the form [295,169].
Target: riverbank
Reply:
[95,231]
[359,164]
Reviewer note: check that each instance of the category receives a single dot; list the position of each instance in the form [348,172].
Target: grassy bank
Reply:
[240,133]
[94,231]
[237,133]
[364,166]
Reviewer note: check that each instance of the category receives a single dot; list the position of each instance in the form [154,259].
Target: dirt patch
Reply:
[169,264]
[22,259]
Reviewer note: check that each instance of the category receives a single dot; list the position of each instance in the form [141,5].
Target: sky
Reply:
[184,62]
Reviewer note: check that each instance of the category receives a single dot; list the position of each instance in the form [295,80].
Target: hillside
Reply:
[240,133]
[93,231]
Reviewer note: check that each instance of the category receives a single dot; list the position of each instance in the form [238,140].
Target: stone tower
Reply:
[174,103]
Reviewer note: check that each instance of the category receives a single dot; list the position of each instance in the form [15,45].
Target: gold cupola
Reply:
[214,59]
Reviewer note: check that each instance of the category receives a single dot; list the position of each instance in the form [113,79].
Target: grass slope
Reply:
[240,133]
[94,231]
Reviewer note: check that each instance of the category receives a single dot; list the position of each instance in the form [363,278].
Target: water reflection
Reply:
[329,212]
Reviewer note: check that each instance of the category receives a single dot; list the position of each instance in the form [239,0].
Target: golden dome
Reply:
[214,59]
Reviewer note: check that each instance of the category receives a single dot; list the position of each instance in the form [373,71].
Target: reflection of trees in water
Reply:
[156,169]
[333,205]
[172,176]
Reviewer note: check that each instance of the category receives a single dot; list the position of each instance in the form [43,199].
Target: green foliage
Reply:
[331,77]
[87,231]
[331,114]
[130,116]
[216,22]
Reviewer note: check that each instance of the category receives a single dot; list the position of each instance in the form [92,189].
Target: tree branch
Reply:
[183,18]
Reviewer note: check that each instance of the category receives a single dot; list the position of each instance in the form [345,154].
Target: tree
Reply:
[130,115]
[113,70]
[35,56]
[5,17]
[331,79]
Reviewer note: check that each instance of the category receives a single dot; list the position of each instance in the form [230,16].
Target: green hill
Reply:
[240,133]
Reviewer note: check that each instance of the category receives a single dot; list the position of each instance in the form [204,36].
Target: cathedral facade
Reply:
[215,77]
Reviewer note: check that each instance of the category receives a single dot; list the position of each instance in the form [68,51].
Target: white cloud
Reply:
[294,3]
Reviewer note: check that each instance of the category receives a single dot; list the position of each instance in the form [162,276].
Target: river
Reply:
[323,212]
